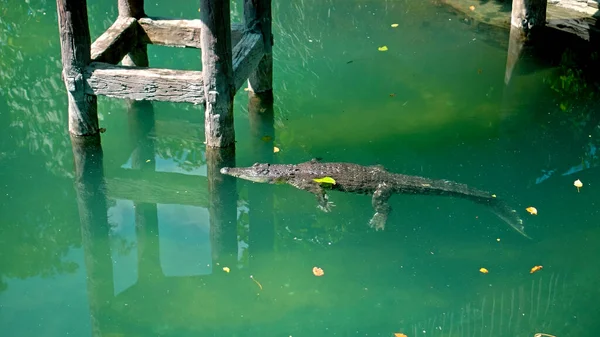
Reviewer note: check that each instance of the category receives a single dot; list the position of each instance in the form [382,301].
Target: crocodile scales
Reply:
[372,180]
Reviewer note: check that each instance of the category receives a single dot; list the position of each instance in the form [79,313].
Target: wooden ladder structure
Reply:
[91,69]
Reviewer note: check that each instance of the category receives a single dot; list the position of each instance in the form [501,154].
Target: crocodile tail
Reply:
[506,213]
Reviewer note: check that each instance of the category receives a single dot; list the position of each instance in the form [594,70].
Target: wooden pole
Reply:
[528,15]
[138,56]
[257,15]
[217,72]
[75,44]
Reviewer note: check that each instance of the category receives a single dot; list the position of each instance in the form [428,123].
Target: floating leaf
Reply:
[472,8]
[399,334]
[578,184]
[394,25]
[483,270]
[318,271]
[226,269]
[266,138]
[382,48]
[325,180]
[531,210]
[275,149]
[536,268]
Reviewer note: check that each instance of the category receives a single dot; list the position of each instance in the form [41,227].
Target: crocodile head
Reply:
[262,173]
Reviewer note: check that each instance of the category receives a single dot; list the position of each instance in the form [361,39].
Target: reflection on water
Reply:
[138,245]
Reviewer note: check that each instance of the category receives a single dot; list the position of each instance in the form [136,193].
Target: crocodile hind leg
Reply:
[382,208]
[323,202]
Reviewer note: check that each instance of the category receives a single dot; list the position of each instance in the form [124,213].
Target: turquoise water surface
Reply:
[434,104]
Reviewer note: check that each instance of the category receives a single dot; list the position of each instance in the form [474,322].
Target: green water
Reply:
[435,104]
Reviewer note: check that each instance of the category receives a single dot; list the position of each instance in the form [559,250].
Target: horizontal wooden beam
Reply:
[246,55]
[157,187]
[179,33]
[116,41]
[144,83]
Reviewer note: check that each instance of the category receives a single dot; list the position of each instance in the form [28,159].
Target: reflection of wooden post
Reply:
[141,125]
[75,44]
[91,199]
[262,129]
[138,56]
[257,14]
[515,49]
[217,72]
[222,209]
[528,15]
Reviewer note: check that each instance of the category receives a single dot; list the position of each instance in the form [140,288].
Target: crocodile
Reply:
[317,177]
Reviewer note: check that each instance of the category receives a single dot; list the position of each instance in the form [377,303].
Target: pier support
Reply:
[217,72]
[75,43]
[138,55]
[528,15]
[257,16]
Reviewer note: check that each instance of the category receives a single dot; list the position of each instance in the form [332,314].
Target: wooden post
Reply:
[217,72]
[262,227]
[138,56]
[257,15]
[528,15]
[75,44]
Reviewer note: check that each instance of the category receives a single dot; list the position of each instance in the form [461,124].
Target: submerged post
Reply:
[75,44]
[217,72]
[138,56]
[528,15]
[257,16]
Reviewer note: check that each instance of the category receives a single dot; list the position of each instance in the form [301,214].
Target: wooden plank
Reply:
[528,15]
[116,41]
[131,8]
[75,45]
[179,33]
[217,69]
[246,56]
[257,15]
[157,187]
[144,83]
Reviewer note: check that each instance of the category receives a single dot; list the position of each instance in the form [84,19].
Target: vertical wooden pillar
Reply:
[75,44]
[528,15]
[217,72]
[257,15]
[138,56]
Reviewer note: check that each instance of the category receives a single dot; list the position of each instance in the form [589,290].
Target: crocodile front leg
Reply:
[382,208]
[316,189]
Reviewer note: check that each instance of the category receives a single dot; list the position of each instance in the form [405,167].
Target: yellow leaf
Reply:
[483,270]
[382,48]
[325,180]
[531,210]
[534,269]
[275,149]
[578,184]
[399,334]
[472,8]
[394,25]
[226,269]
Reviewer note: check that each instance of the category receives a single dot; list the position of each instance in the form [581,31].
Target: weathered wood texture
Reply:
[179,33]
[217,69]
[138,54]
[131,8]
[246,57]
[145,84]
[75,43]
[116,41]
[257,16]
[165,84]
[528,15]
